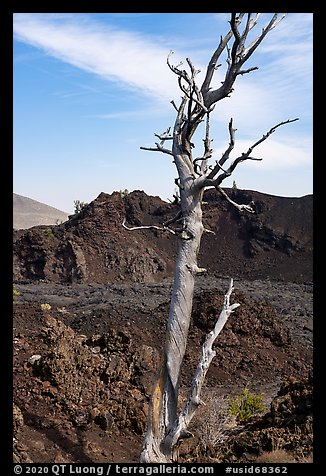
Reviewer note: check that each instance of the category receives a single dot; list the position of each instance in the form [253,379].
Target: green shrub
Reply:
[15,291]
[48,233]
[79,206]
[124,193]
[246,405]
[46,307]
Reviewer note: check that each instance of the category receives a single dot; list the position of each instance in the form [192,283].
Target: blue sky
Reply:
[91,88]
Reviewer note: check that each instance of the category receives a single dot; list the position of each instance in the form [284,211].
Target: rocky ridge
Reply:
[93,246]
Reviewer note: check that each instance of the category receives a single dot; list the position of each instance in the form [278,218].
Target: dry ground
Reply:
[85,398]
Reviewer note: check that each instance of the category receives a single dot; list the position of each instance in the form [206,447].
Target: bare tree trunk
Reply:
[164,404]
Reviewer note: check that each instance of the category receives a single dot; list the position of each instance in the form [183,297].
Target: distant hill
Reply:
[92,246]
[28,213]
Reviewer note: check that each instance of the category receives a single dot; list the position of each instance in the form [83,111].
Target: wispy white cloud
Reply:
[138,61]
[274,154]
[121,56]
[289,51]
[122,114]
[294,31]
[279,90]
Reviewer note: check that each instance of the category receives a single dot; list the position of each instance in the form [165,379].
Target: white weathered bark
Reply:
[164,403]
[207,355]
[159,446]
[165,425]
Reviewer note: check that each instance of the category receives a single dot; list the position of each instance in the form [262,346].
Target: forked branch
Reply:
[211,181]
[207,355]
[226,154]
[238,56]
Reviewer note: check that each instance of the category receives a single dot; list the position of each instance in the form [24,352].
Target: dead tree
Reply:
[166,426]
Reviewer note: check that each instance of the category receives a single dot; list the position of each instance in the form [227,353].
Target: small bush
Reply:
[246,405]
[79,206]
[15,291]
[48,233]
[124,193]
[46,307]
[212,422]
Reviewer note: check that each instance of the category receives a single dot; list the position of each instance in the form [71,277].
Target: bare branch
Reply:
[177,217]
[237,37]
[182,74]
[237,57]
[265,136]
[208,151]
[174,105]
[194,71]
[226,154]
[158,148]
[207,355]
[254,44]
[207,145]
[148,227]
[189,93]
[245,71]
[165,135]
[181,149]
[192,93]
[193,98]
[249,25]
[212,66]
[180,119]
[228,172]
[241,208]
[244,156]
